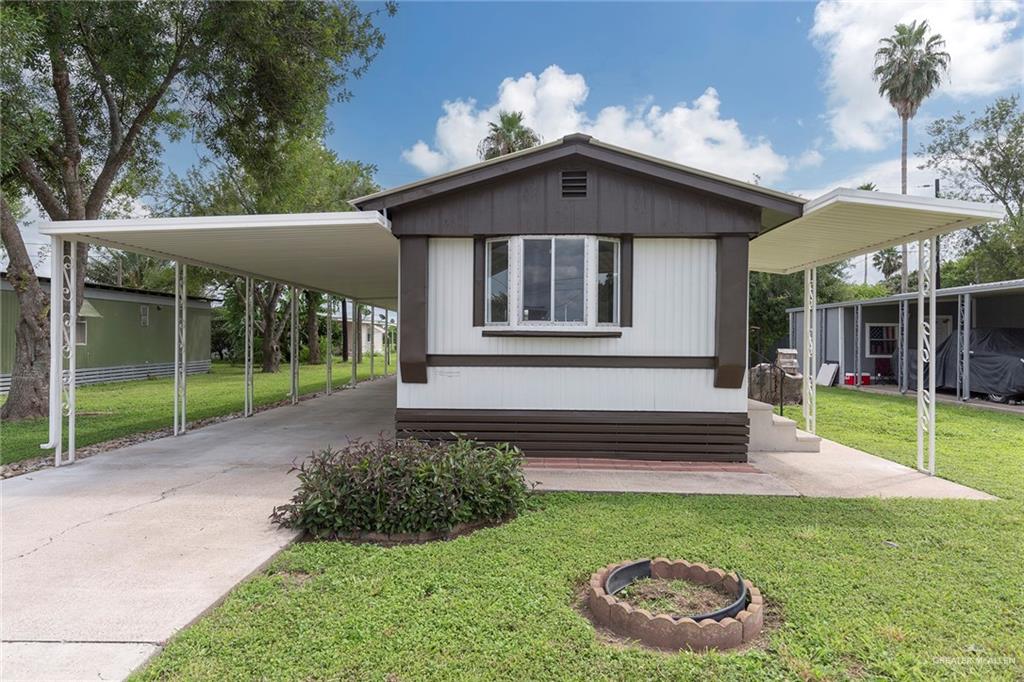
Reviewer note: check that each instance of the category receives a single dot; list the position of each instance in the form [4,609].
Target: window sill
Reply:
[556,333]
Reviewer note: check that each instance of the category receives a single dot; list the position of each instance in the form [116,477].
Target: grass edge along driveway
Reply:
[125,408]
[865,589]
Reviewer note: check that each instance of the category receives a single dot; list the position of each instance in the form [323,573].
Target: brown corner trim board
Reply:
[613,361]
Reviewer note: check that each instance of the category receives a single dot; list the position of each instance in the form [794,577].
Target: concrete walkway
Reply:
[836,471]
[104,560]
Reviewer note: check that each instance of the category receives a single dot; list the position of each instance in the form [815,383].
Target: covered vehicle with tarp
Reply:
[996,365]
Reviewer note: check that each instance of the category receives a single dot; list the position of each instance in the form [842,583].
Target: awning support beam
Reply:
[180,347]
[925,355]
[249,394]
[902,346]
[810,407]
[858,352]
[373,313]
[330,343]
[354,341]
[293,342]
[63,347]
[963,361]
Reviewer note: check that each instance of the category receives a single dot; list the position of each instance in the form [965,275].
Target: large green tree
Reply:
[909,65]
[90,89]
[294,176]
[506,135]
[980,157]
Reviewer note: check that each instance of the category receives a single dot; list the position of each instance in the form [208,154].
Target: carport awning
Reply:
[350,254]
[850,222]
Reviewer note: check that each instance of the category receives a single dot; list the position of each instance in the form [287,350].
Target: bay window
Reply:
[561,281]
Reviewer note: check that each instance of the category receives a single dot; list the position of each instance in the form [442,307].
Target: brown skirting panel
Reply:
[700,436]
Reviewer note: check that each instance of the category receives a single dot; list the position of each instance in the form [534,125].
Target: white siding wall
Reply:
[673,315]
[673,304]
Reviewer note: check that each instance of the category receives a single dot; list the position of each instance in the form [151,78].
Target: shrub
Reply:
[404,486]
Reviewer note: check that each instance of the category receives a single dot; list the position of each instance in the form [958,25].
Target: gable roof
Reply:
[776,207]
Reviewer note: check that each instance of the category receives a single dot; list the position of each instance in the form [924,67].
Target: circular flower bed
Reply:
[736,624]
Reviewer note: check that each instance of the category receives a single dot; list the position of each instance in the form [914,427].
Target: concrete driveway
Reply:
[104,560]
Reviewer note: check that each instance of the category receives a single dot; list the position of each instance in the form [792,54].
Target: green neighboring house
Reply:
[122,333]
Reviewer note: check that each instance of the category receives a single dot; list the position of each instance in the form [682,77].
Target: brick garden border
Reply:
[664,631]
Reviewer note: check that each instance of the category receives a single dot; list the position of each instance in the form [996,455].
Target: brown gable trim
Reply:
[412,309]
[626,282]
[731,311]
[479,276]
[581,145]
[612,361]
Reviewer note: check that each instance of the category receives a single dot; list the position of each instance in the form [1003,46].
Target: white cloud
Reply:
[811,158]
[693,133]
[985,57]
[885,175]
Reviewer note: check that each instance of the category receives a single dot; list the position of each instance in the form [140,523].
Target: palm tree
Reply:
[909,65]
[508,135]
[888,261]
[870,187]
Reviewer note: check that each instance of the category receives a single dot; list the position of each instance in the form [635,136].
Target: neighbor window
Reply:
[556,281]
[143,315]
[81,332]
[881,340]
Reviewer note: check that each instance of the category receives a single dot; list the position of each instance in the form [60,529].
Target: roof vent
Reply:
[574,184]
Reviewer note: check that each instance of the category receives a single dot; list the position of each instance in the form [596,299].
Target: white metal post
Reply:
[354,338]
[180,347]
[387,340]
[810,407]
[858,335]
[925,354]
[249,329]
[330,343]
[56,350]
[964,360]
[373,323]
[70,332]
[293,346]
[902,342]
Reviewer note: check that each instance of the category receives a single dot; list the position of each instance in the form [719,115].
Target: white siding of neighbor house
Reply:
[673,315]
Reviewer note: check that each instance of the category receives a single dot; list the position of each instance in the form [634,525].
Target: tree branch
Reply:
[72,152]
[117,158]
[43,193]
[113,111]
[19,268]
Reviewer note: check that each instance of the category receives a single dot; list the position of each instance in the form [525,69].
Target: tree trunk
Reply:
[344,330]
[903,190]
[313,326]
[272,330]
[29,392]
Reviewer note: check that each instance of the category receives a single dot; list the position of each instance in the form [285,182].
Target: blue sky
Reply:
[791,99]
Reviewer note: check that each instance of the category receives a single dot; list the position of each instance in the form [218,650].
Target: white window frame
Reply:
[82,331]
[616,295]
[487,283]
[515,283]
[867,338]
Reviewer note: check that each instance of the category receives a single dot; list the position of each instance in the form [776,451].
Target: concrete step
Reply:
[770,432]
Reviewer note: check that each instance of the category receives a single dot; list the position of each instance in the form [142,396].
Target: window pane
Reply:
[497,282]
[607,280]
[569,284]
[536,280]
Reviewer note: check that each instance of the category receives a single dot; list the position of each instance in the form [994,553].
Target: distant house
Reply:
[863,336]
[122,334]
[378,334]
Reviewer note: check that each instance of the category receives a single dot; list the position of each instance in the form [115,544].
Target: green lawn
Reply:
[107,411]
[944,603]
